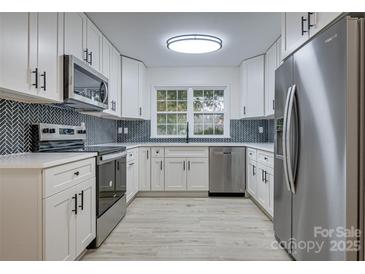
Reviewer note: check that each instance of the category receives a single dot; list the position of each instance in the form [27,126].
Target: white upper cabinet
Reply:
[141,90]
[50,55]
[130,88]
[105,63]
[271,63]
[30,55]
[83,39]
[94,41]
[298,27]
[15,70]
[75,34]
[252,87]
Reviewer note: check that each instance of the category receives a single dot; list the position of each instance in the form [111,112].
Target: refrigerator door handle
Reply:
[285,140]
[292,108]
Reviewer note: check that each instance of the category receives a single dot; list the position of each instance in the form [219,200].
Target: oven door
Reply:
[109,185]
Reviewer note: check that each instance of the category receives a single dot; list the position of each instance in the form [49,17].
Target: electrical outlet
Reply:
[125,130]
[261,129]
[120,130]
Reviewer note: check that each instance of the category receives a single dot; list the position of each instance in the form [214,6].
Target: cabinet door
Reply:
[141,90]
[255,87]
[157,174]
[59,235]
[130,100]
[144,169]
[175,174]
[278,53]
[114,83]
[131,180]
[252,178]
[94,40]
[15,64]
[49,55]
[106,52]
[75,34]
[270,182]
[243,84]
[321,19]
[270,66]
[86,217]
[198,174]
[294,32]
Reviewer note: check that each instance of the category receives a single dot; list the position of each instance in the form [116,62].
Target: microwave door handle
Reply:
[107,93]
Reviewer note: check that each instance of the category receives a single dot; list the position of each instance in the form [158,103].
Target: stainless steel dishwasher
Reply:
[227,170]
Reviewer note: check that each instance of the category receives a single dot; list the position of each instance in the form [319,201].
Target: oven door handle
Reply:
[111,157]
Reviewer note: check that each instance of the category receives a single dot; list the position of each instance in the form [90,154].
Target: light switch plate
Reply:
[261,129]
[125,130]
[120,130]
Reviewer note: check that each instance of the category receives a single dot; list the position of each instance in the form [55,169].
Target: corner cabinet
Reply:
[298,27]
[55,211]
[133,85]
[252,87]
[31,56]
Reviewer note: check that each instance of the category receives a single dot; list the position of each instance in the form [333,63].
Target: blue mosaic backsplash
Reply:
[16,120]
[241,131]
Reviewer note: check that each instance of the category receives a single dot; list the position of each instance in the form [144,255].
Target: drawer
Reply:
[59,178]
[251,154]
[132,154]
[266,158]
[158,152]
[199,152]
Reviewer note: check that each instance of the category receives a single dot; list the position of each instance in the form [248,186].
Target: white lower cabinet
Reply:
[260,178]
[132,174]
[55,211]
[251,172]
[175,174]
[158,174]
[144,168]
[60,226]
[197,174]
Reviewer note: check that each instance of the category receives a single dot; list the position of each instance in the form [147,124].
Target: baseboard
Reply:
[173,194]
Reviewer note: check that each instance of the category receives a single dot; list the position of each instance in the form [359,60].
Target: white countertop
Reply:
[269,147]
[41,160]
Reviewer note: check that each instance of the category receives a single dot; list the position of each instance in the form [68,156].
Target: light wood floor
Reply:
[190,229]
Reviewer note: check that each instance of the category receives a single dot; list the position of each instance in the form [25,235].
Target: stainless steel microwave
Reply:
[85,89]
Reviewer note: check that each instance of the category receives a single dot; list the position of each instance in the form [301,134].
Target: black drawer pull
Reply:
[82,200]
[75,207]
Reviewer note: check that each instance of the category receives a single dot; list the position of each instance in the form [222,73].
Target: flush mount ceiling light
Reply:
[194,43]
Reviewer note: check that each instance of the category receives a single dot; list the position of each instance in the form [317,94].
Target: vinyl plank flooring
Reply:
[190,229]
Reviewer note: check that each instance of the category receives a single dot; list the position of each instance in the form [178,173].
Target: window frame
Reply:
[190,110]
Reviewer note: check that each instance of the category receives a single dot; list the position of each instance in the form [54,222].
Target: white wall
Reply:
[209,76]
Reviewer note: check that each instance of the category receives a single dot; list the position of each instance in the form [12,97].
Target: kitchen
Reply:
[170,141]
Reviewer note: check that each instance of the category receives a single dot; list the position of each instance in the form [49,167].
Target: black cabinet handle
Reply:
[188,165]
[302,22]
[91,58]
[310,25]
[253,170]
[262,176]
[77,173]
[86,55]
[184,165]
[35,71]
[265,176]
[118,165]
[161,165]
[273,104]
[82,200]
[44,75]
[140,111]
[75,207]
[244,110]
[147,154]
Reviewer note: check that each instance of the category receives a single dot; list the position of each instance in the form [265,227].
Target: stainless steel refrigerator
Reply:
[319,150]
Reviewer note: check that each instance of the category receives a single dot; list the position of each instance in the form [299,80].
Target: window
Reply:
[205,108]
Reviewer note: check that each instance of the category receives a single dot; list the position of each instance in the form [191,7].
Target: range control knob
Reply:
[52,130]
[81,131]
[45,130]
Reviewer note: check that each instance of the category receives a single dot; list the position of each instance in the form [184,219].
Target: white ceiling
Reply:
[143,35]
